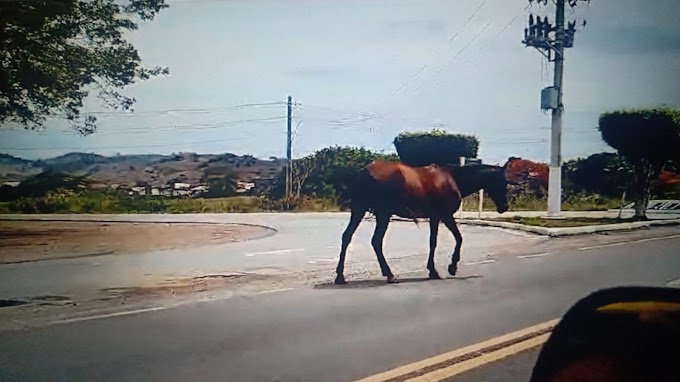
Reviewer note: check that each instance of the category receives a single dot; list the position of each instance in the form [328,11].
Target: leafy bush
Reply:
[435,146]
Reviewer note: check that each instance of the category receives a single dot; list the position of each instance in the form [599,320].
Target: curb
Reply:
[571,231]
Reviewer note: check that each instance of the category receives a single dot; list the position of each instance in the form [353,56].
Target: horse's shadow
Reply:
[376,283]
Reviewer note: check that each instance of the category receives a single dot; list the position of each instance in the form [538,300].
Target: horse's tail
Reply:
[360,190]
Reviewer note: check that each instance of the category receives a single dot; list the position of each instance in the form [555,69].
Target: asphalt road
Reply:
[516,368]
[304,243]
[324,333]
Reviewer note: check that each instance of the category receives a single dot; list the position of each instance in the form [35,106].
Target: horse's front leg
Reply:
[434,229]
[382,221]
[453,227]
[354,221]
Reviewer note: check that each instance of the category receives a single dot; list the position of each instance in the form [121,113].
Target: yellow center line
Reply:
[470,356]
[461,367]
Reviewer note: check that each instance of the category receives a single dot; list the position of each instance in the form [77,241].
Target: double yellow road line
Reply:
[455,362]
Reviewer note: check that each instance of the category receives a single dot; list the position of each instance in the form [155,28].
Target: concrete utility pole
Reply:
[289,150]
[551,41]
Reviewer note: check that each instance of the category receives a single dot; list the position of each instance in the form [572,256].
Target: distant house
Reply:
[198,190]
[244,187]
[166,191]
[97,186]
[182,186]
[137,190]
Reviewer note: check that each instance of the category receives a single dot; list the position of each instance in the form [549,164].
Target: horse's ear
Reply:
[510,160]
[510,176]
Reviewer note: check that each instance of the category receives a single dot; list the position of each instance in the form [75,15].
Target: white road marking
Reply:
[480,262]
[628,242]
[215,298]
[314,261]
[275,252]
[117,314]
[535,255]
[274,291]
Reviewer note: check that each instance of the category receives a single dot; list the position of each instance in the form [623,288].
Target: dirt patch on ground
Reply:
[22,241]
[184,286]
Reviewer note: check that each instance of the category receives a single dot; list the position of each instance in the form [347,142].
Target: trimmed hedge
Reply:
[435,146]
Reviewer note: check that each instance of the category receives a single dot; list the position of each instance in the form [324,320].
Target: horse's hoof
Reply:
[453,269]
[392,280]
[340,280]
[434,276]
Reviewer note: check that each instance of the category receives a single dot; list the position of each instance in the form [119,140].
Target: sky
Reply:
[362,71]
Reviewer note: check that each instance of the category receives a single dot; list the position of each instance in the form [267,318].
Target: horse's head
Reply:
[496,186]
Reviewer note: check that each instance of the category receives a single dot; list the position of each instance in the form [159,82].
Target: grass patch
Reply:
[97,202]
[577,202]
[561,223]
[214,205]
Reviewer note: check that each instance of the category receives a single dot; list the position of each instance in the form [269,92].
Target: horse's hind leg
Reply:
[434,229]
[354,221]
[451,225]
[382,221]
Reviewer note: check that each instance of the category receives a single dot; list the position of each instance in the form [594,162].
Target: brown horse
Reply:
[434,192]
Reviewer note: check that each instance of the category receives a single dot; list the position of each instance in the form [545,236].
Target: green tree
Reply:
[54,52]
[435,146]
[327,173]
[220,186]
[48,181]
[606,174]
[648,139]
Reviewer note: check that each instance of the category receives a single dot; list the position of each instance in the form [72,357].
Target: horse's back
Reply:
[396,175]
[417,181]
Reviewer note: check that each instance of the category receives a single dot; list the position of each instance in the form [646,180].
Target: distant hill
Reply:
[13,169]
[155,170]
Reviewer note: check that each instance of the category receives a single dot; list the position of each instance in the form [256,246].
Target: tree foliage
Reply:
[219,185]
[54,52]
[606,174]
[667,184]
[42,184]
[435,146]
[532,177]
[648,139]
[327,173]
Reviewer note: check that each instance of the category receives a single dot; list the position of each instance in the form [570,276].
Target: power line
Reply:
[455,57]
[179,110]
[468,21]
[512,21]
[295,131]
[128,147]
[441,68]
[451,39]
[179,128]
